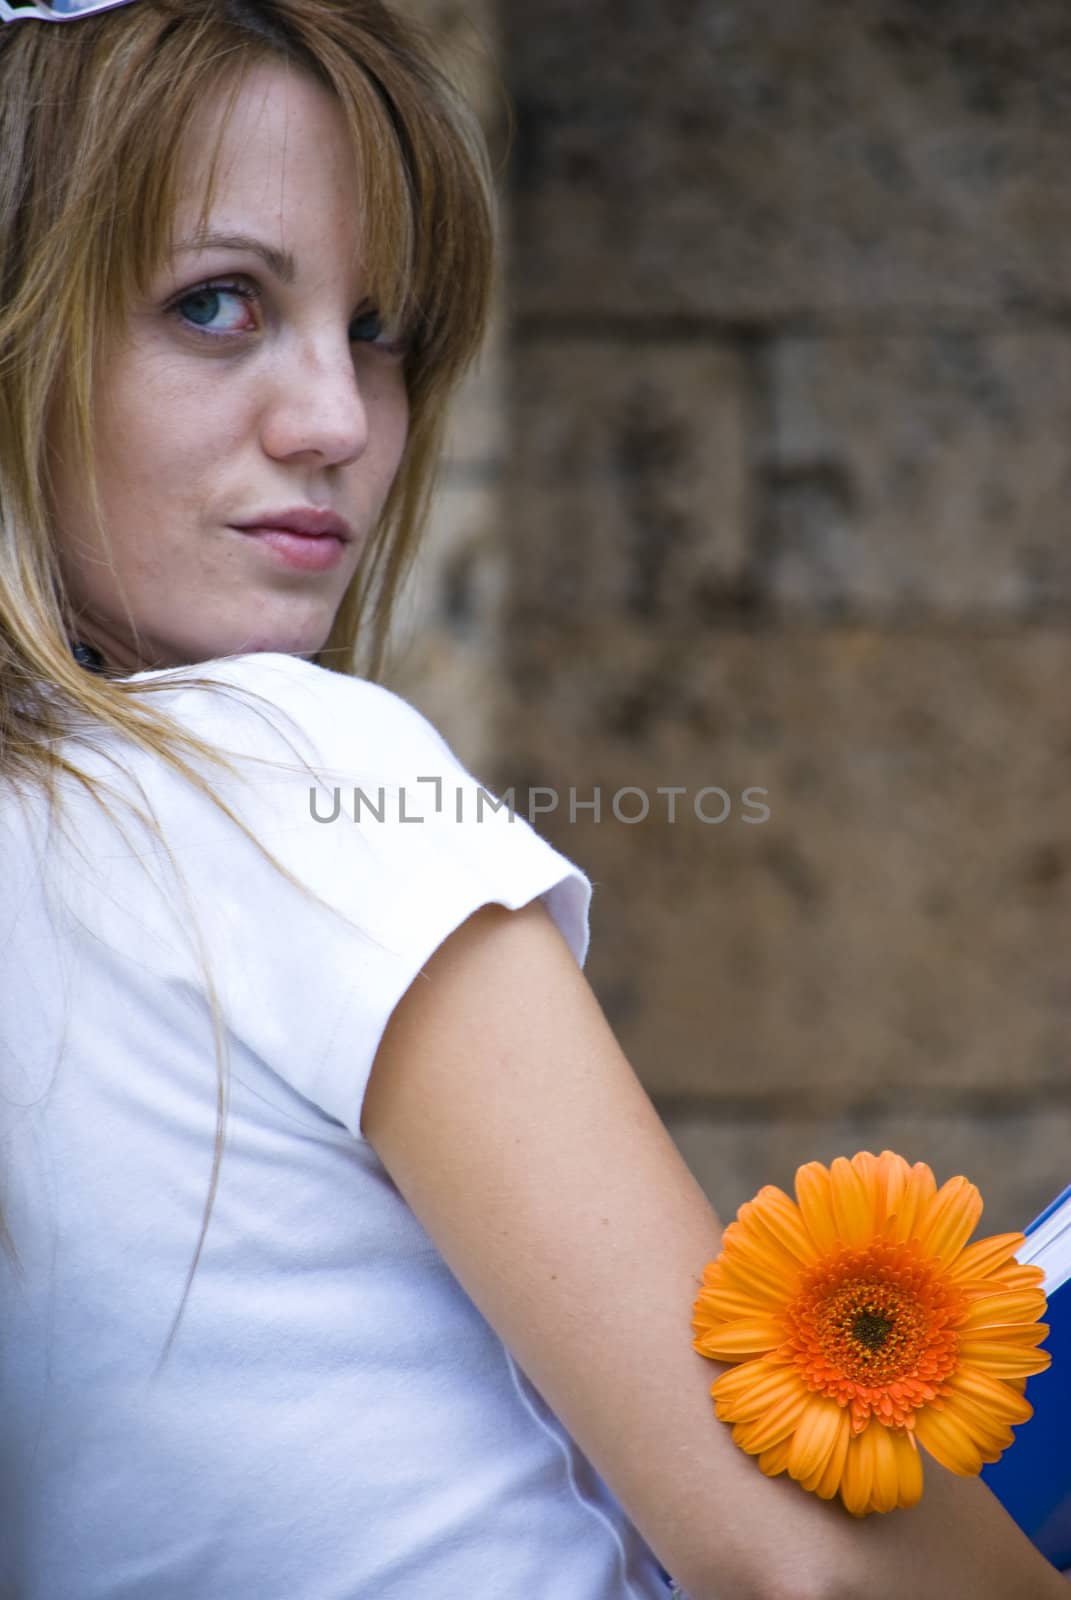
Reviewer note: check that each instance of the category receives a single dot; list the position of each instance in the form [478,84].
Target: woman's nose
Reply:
[316,405]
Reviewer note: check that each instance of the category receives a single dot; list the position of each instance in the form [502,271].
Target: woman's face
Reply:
[241,389]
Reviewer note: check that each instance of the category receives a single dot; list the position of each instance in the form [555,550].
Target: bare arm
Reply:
[507,1115]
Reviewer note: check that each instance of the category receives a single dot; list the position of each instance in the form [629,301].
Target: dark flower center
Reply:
[871,1329]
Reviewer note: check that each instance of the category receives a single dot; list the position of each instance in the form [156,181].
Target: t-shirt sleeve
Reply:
[397,839]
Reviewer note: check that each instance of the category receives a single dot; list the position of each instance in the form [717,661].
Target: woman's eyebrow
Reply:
[281,262]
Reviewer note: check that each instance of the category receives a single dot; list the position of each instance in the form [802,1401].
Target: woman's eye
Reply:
[201,309]
[368,326]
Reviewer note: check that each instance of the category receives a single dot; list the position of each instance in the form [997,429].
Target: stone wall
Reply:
[446,641]
[782,505]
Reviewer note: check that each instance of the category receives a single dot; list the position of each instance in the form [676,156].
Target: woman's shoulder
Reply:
[269,700]
[280,679]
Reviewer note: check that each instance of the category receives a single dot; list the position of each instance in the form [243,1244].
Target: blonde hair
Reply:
[92,119]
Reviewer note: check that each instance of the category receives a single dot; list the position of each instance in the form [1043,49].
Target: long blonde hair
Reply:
[92,115]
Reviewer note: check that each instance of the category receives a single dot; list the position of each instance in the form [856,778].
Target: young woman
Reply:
[344,1255]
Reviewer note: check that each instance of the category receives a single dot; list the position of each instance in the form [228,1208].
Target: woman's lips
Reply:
[309,552]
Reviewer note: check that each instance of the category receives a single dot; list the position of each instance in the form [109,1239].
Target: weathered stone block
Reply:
[899,923]
[444,641]
[446,638]
[476,435]
[1017,1158]
[915,476]
[630,489]
[756,160]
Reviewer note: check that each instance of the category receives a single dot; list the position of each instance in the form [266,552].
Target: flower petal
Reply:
[948,1442]
[893,1173]
[815,1438]
[1016,1276]
[1005,1360]
[885,1493]
[736,1341]
[776,1214]
[775,1459]
[948,1219]
[895,1177]
[761,1244]
[909,1466]
[829,1483]
[748,1390]
[748,1271]
[1010,1309]
[868,1169]
[853,1203]
[722,1305]
[857,1480]
[776,1423]
[1022,1334]
[988,1397]
[979,1259]
[990,1436]
[919,1186]
[816,1204]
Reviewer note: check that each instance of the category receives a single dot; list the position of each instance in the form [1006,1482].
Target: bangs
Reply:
[382,191]
[396,273]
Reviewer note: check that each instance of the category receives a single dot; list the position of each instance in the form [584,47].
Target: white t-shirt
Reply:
[335,1420]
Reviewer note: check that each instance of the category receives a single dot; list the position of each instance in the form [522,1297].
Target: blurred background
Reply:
[763,485]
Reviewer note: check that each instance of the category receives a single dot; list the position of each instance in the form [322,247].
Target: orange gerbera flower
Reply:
[861,1327]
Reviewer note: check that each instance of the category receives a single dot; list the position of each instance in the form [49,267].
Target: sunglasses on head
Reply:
[58,11]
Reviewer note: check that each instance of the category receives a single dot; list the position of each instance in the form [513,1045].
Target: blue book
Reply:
[1032,1479]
